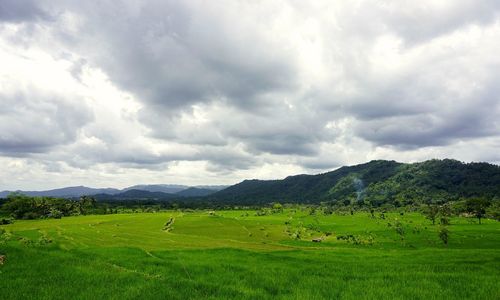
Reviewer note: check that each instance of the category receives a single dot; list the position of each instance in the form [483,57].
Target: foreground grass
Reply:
[238,255]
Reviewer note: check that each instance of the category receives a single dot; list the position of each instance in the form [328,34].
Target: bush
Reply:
[55,213]
[4,236]
[398,226]
[356,239]
[444,221]
[6,221]
[493,210]
[26,242]
[44,240]
[30,215]
[444,234]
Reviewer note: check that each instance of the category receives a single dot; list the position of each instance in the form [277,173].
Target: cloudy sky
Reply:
[115,93]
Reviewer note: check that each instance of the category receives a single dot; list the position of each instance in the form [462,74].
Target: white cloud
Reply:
[123,92]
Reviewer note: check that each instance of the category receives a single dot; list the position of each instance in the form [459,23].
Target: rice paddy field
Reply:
[239,255]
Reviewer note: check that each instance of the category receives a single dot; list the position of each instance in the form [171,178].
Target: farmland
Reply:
[239,254]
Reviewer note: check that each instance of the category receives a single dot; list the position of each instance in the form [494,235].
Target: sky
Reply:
[115,93]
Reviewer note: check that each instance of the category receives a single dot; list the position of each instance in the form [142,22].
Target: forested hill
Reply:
[375,183]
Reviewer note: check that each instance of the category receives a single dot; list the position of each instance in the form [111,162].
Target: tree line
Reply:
[20,206]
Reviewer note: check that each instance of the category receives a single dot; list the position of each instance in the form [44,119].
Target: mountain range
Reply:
[168,189]
[376,183]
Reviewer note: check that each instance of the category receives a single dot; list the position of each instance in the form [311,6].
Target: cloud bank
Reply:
[113,93]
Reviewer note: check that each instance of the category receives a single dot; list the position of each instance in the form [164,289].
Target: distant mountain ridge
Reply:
[164,188]
[196,192]
[135,194]
[66,192]
[78,191]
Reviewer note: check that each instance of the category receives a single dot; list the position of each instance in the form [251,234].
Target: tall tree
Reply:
[477,207]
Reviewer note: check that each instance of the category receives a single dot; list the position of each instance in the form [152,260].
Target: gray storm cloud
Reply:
[247,85]
[33,122]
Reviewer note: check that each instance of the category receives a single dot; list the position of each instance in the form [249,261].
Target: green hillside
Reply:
[375,183]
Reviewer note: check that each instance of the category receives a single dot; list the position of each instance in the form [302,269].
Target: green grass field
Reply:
[237,255]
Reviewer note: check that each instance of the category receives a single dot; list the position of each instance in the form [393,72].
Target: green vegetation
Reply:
[20,206]
[375,184]
[381,230]
[248,254]
[477,207]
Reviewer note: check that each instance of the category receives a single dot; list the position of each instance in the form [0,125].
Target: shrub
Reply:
[444,221]
[55,213]
[44,240]
[5,221]
[277,208]
[493,210]
[398,226]
[444,234]
[356,239]
[25,242]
